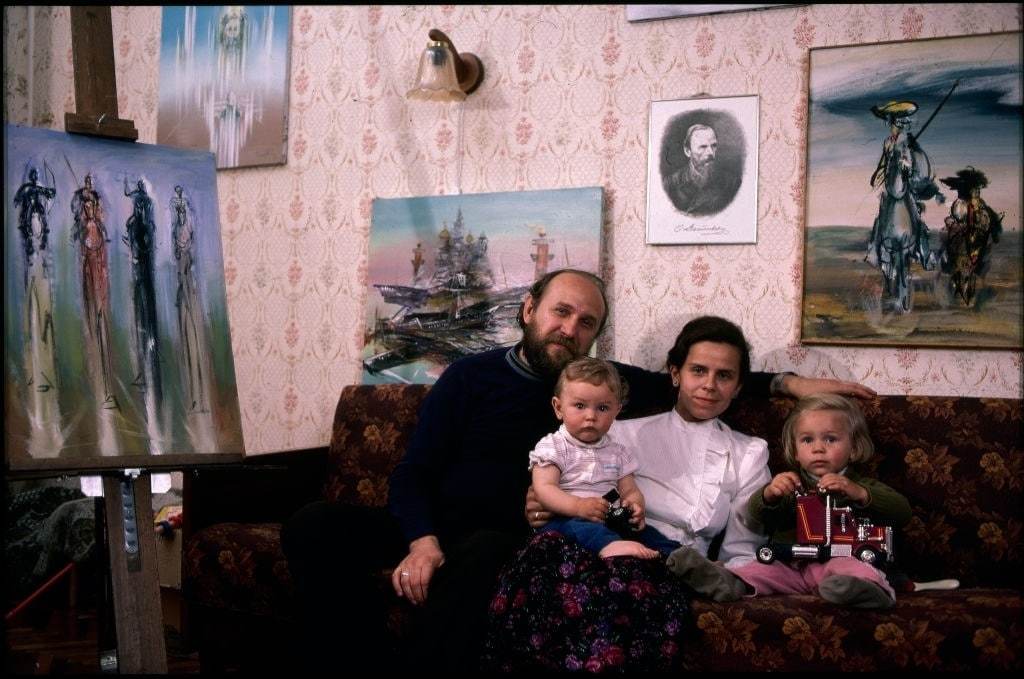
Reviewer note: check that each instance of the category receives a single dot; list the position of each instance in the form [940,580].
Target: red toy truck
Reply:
[825,530]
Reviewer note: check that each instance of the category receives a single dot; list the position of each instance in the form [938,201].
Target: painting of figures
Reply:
[224,81]
[447,273]
[913,223]
[115,314]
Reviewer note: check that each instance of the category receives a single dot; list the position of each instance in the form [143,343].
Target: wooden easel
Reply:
[138,615]
[128,502]
[92,53]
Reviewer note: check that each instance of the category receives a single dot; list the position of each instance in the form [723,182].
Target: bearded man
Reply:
[702,186]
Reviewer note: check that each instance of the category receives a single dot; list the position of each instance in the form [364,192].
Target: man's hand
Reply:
[536,515]
[798,387]
[413,573]
[782,485]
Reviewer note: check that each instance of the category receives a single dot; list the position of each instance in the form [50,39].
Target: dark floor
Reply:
[64,642]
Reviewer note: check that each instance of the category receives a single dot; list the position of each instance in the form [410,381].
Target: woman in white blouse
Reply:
[695,472]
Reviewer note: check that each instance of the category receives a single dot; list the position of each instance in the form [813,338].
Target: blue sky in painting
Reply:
[980,124]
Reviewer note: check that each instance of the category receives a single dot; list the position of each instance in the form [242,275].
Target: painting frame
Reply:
[885,266]
[702,165]
[636,13]
[117,343]
[446,275]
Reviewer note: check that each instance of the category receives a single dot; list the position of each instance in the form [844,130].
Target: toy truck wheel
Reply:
[765,554]
[867,555]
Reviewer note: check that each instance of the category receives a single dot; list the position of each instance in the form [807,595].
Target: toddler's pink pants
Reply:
[802,577]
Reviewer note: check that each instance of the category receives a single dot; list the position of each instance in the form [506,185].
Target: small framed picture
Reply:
[702,171]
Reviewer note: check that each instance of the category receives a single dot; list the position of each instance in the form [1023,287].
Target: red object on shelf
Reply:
[41,590]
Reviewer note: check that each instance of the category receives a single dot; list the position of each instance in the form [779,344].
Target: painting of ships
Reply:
[453,304]
[462,274]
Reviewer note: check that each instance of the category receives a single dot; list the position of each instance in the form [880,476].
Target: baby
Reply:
[578,464]
[823,438]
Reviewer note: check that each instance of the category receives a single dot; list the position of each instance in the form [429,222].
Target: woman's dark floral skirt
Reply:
[560,607]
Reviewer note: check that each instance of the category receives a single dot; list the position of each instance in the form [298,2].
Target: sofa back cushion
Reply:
[372,426]
[959,461]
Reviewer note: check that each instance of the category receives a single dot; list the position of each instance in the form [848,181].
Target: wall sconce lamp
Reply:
[444,74]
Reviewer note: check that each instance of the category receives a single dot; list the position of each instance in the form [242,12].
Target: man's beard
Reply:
[535,352]
[701,172]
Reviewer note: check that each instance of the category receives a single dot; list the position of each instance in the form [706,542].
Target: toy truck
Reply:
[825,529]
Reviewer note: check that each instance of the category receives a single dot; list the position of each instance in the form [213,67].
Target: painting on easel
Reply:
[224,81]
[447,273]
[115,313]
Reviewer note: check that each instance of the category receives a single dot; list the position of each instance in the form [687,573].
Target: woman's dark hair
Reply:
[537,291]
[710,329]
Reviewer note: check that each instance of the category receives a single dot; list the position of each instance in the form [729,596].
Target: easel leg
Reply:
[133,566]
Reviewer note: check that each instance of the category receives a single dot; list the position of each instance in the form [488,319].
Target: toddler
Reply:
[823,436]
[578,464]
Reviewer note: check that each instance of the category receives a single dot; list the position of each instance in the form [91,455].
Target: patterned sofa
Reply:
[960,461]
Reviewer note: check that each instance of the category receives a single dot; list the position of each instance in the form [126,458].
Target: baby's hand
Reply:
[781,486]
[837,483]
[637,519]
[592,508]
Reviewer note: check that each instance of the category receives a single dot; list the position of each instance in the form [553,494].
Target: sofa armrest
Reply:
[260,489]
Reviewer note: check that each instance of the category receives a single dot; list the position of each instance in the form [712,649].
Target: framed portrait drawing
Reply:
[702,171]
[913,221]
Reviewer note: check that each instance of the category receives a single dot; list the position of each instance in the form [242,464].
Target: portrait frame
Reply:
[872,275]
[708,196]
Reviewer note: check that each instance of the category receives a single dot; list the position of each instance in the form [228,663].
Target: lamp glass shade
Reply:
[435,79]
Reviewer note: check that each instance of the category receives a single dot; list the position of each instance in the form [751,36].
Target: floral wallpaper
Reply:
[564,104]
